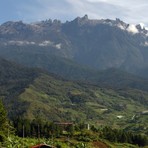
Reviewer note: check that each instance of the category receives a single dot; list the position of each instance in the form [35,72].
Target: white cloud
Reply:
[96,8]
[58,46]
[132,28]
[45,43]
[142,25]
[50,43]
[146,44]
[133,11]
[20,43]
[121,27]
[146,28]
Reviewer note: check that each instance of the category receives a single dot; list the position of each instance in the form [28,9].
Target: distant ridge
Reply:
[98,44]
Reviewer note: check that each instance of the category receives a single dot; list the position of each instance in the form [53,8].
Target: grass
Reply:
[17,142]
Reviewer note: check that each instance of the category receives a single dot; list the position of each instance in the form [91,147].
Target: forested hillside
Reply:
[31,93]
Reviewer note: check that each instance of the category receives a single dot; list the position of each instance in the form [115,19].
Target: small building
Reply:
[87,126]
[145,112]
[120,116]
[64,125]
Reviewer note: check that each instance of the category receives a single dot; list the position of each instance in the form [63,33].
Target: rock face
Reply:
[99,44]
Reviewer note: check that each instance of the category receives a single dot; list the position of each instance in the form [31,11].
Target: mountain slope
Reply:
[99,44]
[54,99]
[13,80]
[30,93]
[68,69]
[105,46]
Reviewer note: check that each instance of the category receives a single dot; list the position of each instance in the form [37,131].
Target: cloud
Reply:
[19,42]
[97,9]
[130,11]
[132,28]
[133,11]
[45,43]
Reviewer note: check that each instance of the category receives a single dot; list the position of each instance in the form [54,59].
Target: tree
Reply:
[3,122]
[70,130]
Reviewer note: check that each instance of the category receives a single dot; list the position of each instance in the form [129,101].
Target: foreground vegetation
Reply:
[78,132]
[17,142]
[83,139]
[26,133]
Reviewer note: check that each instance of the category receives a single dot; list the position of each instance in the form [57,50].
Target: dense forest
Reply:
[78,135]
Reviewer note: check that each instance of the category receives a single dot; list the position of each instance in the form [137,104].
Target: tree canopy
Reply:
[3,121]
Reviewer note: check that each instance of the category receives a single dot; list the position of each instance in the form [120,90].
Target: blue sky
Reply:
[130,11]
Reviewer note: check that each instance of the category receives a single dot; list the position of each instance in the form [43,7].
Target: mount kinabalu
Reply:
[99,44]
[75,50]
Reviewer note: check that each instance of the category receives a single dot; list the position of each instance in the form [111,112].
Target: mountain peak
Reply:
[85,17]
[81,20]
[11,27]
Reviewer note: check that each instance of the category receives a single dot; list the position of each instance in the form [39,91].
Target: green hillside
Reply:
[13,80]
[31,94]
[54,99]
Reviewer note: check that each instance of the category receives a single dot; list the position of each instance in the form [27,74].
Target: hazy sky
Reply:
[130,11]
